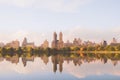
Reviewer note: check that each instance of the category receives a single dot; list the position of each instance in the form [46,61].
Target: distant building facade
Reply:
[57,43]
[2,44]
[68,44]
[114,42]
[60,42]
[45,44]
[26,44]
[13,44]
[76,42]
[89,43]
[104,43]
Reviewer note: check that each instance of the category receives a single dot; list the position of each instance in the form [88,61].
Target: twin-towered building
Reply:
[57,43]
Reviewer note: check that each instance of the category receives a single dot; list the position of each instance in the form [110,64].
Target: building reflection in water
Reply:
[13,59]
[26,59]
[58,59]
[45,59]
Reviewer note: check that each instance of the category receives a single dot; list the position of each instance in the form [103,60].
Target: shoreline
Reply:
[95,52]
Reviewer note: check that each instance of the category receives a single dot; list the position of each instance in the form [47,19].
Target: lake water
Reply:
[61,67]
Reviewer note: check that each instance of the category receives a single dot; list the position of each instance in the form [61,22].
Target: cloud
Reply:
[51,5]
[18,3]
[92,34]
[61,5]
[90,69]
[10,36]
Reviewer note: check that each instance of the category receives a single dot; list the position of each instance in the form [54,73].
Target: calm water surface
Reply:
[59,67]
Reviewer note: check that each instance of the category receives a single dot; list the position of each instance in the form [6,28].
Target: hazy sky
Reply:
[95,20]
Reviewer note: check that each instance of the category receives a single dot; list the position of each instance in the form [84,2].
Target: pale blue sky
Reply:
[88,19]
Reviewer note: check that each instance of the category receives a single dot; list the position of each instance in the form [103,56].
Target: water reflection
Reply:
[26,59]
[57,60]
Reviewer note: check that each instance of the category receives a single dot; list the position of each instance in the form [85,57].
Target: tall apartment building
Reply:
[57,43]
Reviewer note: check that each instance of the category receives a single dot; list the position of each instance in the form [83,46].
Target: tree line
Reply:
[38,50]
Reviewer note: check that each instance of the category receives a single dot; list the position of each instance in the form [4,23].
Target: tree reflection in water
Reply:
[58,58]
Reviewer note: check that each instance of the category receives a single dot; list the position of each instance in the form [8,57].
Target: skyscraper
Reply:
[54,42]
[55,36]
[60,43]
[60,37]
[57,43]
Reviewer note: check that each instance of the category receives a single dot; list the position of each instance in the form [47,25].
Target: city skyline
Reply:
[93,20]
[58,42]
[59,39]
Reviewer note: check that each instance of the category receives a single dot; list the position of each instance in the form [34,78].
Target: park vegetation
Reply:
[28,51]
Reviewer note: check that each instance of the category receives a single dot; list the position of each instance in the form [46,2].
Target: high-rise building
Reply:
[79,41]
[57,43]
[26,44]
[60,43]
[55,36]
[54,42]
[13,44]
[75,42]
[45,44]
[114,40]
[104,43]
[60,36]
[68,44]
